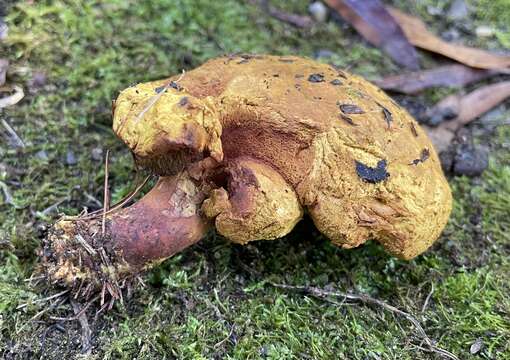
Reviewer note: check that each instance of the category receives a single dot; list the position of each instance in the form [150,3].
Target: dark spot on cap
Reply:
[347,119]
[336,82]
[251,56]
[350,109]
[316,78]
[425,154]
[183,101]
[372,175]
[175,86]
[276,75]
[113,107]
[159,89]
[341,74]
[413,130]
[387,115]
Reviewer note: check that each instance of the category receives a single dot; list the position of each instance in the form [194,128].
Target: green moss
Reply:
[213,300]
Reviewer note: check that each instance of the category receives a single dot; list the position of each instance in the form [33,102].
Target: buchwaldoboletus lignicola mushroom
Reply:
[247,144]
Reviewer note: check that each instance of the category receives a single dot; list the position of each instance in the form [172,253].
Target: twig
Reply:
[86,333]
[92,198]
[427,299]
[41,313]
[16,140]
[43,300]
[52,207]
[218,344]
[96,214]
[85,244]
[106,197]
[77,315]
[322,294]
[7,194]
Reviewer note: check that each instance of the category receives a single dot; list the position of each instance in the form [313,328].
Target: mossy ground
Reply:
[214,300]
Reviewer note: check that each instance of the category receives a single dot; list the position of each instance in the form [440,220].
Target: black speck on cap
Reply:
[316,78]
[350,109]
[370,174]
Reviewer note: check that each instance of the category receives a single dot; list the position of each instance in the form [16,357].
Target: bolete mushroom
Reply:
[247,144]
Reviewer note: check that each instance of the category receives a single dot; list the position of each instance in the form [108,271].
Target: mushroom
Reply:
[247,144]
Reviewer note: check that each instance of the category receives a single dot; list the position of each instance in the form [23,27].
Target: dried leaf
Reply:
[465,109]
[456,75]
[417,33]
[376,25]
[12,99]
[4,65]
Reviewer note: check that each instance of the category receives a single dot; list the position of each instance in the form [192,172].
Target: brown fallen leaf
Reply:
[11,99]
[464,109]
[377,26]
[4,65]
[456,75]
[416,32]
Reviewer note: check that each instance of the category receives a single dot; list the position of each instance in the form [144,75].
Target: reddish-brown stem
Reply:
[162,223]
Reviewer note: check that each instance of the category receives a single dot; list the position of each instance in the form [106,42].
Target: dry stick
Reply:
[77,315]
[121,203]
[217,345]
[427,299]
[106,197]
[322,294]
[53,305]
[50,208]
[14,136]
[43,300]
[86,333]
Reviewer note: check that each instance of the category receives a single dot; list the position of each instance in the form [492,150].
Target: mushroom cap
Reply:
[358,162]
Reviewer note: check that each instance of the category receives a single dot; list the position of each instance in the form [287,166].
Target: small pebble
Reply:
[318,10]
[42,155]
[4,30]
[458,10]
[39,79]
[451,35]
[434,10]
[470,160]
[323,54]
[70,158]
[484,31]
[97,154]
[476,346]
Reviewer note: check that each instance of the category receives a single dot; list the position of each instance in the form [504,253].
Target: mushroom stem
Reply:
[163,223]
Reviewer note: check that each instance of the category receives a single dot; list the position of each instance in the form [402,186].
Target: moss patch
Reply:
[213,300]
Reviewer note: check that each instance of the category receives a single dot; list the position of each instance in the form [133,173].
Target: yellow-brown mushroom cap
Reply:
[358,162]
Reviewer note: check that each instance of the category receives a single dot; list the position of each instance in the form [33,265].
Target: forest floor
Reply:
[215,300]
